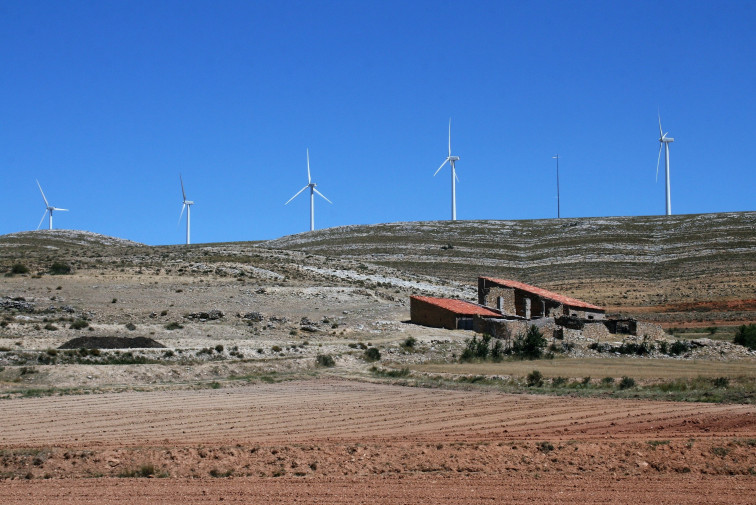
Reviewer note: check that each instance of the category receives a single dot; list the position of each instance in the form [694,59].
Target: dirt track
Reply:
[334,441]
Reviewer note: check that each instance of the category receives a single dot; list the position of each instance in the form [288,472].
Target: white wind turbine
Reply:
[188,206]
[664,142]
[310,185]
[451,160]
[48,208]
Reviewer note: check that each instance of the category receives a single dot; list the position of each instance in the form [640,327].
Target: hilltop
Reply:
[55,239]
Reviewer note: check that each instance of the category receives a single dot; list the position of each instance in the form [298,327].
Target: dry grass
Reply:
[601,367]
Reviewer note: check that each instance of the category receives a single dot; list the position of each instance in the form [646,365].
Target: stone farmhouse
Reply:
[520,300]
[506,308]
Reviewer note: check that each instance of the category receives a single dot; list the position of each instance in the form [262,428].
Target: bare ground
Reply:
[336,441]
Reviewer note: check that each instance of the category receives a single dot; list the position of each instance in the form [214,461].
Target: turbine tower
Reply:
[664,142]
[559,209]
[48,208]
[451,160]
[188,206]
[310,185]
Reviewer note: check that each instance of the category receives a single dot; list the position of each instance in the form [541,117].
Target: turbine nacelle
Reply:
[453,158]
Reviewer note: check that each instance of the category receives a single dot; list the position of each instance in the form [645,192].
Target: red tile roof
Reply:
[544,293]
[459,307]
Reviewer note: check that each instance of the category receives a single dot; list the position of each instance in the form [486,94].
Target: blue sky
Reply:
[106,102]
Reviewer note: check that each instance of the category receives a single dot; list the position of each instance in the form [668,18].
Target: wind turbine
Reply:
[310,185]
[451,160]
[664,142]
[188,206]
[559,210]
[48,208]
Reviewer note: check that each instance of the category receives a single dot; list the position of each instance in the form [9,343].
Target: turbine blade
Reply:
[55,208]
[293,197]
[183,193]
[181,214]
[661,135]
[449,137]
[455,176]
[43,218]
[658,159]
[309,180]
[442,166]
[43,194]
[321,194]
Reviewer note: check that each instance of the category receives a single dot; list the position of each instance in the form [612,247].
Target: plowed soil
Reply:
[337,441]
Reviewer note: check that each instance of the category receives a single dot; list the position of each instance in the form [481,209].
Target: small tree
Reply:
[530,345]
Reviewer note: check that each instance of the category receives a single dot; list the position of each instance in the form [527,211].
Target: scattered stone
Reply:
[254,316]
[213,315]
[19,303]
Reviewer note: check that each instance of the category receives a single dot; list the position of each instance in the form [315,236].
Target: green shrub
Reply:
[545,447]
[19,268]
[678,347]
[173,326]
[607,381]
[79,324]
[558,381]
[50,327]
[219,348]
[626,383]
[721,382]
[130,326]
[746,336]
[409,342]
[276,348]
[372,354]
[476,349]
[535,379]
[382,372]
[325,360]
[60,268]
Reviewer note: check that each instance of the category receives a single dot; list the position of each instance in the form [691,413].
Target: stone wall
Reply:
[597,331]
[651,330]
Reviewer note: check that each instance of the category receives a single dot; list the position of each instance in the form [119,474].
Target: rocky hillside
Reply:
[615,261]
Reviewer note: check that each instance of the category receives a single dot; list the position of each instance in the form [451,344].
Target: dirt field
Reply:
[601,367]
[338,441]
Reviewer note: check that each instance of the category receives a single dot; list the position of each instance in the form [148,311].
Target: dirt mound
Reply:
[112,343]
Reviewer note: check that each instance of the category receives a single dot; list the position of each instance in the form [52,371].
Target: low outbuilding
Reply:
[446,312]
